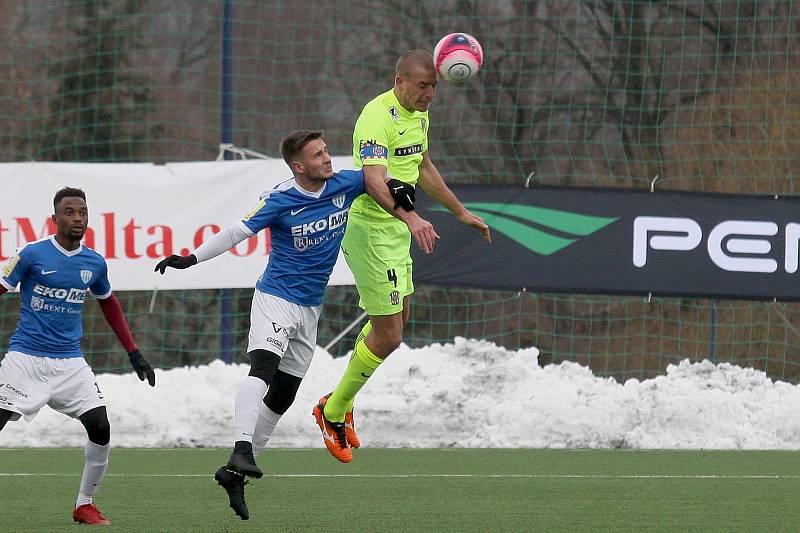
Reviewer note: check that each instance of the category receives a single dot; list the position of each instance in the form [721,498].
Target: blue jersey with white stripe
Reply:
[306,229]
[53,285]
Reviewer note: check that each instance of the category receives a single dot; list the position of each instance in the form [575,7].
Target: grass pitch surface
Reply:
[415,490]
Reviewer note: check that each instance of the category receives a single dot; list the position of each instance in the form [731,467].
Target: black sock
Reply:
[243,447]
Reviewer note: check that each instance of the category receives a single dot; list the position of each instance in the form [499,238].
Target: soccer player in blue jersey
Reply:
[307,216]
[44,363]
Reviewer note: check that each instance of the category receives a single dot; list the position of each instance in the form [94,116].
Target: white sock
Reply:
[94,468]
[267,420]
[250,397]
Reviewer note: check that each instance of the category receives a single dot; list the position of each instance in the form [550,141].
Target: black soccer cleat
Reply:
[242,460]
[233,482]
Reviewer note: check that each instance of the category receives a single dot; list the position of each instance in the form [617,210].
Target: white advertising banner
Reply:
[142,212]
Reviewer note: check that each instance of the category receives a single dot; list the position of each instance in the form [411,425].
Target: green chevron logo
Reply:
[514,221]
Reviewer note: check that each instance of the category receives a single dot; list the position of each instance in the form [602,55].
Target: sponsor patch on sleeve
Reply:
[8,268]
[373,151]
[255,209]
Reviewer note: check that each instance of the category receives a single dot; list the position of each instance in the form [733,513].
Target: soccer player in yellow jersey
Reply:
[390,140]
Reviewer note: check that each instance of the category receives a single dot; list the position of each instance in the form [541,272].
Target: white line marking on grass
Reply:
[521,476]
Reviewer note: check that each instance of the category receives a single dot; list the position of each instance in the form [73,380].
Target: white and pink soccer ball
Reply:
[458,56]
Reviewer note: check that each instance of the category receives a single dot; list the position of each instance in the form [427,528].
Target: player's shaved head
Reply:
[415,80]
[68,192]
[417,59]
[293,144]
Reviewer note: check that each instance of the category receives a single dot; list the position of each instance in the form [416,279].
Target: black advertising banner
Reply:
[618,241]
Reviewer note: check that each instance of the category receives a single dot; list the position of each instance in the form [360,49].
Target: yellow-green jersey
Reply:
[388,134]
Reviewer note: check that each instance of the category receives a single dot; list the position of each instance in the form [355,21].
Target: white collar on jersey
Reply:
[68,253]
[311,194]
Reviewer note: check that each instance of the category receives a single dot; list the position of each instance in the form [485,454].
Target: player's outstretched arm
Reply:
[112,311]
[400,205]
[433,184]
[216,245]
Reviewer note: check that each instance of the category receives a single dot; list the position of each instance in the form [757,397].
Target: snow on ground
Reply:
[467,394]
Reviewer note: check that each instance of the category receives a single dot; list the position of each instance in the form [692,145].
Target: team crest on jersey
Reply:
[423,124]
[86,276]
[338,200]
[301,243]
[395,114]
[37,304]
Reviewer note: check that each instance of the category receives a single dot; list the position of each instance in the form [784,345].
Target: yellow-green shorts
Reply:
[379,255]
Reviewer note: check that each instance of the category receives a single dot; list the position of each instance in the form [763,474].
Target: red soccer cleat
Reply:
[89,514]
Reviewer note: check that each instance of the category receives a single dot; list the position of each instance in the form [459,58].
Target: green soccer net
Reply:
[585,93]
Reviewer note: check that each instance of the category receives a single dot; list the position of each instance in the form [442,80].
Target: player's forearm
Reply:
[375,177]
[112,311]
[2,290]
[220,243]
[434,186]
[375,186]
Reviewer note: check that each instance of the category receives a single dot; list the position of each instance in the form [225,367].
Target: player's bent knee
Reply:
[282,392]
[98,428]
[387,342]
[263,365]
[5,416]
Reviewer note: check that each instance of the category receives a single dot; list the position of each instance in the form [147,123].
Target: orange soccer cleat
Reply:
[350,430]
[333,433]
[89,514]
[349,425]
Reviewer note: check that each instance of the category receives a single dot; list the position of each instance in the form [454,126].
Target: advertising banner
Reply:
[546,239]
[618,241]
[142,212]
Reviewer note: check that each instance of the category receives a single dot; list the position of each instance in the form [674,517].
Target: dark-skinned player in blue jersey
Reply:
[44,364]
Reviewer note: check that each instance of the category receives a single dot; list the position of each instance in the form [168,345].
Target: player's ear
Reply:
[297,167]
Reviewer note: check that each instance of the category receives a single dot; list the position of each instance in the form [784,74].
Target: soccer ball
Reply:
[458,56]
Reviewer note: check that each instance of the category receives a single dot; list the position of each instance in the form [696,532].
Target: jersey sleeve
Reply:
[371,137]
[14,270]
[261,216]
[355,181]
[101,287]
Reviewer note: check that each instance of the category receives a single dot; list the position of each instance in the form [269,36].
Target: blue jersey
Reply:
[306,229]
[53,285]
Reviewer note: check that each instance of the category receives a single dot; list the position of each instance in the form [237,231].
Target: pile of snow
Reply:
[470,394]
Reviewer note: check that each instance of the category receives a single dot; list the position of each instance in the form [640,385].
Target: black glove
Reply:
[176,261]
[403,194]
[142,367]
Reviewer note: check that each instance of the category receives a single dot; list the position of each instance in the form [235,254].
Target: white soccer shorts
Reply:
[284,328]
[29,382]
